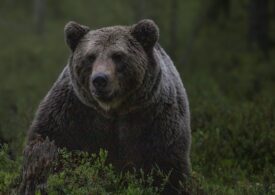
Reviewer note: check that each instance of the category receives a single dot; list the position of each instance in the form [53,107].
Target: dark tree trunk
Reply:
[39,16]
[217,7]
[173,28]
[139,7]
[258,25]
[209,12]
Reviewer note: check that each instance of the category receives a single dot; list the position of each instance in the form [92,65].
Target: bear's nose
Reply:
[100,81]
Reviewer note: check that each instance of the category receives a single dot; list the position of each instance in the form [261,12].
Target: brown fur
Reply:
[143,121]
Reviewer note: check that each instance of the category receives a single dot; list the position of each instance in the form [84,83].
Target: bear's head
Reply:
[112,65]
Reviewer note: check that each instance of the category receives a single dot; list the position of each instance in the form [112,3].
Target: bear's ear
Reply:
[73,33]
[146,33]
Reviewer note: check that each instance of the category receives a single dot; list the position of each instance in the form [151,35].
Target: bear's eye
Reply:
[118,56]
[89,59]
[120,60]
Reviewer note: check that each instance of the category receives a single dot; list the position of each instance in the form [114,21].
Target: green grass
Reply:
[81,173]
[90,174]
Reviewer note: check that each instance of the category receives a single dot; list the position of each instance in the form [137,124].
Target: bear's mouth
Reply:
[104,96]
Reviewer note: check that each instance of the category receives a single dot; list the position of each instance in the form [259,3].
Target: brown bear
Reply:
[119,91]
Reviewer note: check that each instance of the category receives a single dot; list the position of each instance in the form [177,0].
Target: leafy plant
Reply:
[81,173]
[9,170]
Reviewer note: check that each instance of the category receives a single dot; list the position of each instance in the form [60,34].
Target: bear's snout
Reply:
[100,81]
[101,86]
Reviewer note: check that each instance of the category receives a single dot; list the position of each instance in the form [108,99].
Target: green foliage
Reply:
[233,106]
[82,173]
[200,185]
[9,170]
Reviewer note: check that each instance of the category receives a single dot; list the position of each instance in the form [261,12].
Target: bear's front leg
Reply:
[39,156]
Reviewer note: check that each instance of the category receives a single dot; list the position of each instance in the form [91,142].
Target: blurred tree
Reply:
[205,11]
[139,9]
[217,7]
[2,141]
[258,29]
[39,16]
[174,22]
[56,8]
